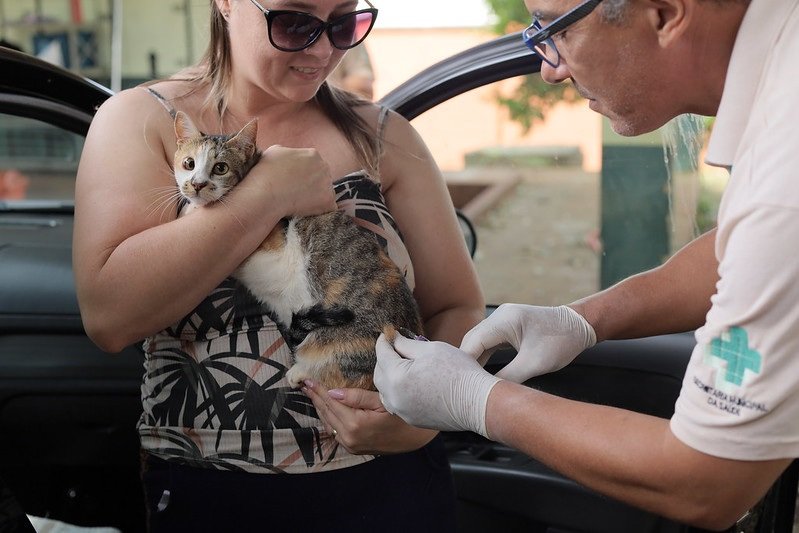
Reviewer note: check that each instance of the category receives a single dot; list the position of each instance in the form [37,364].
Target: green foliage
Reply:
[511,15]
[534,97]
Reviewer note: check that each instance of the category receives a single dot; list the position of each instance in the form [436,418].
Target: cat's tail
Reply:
[305,321]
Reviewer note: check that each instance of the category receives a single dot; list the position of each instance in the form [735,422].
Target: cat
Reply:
[330,286]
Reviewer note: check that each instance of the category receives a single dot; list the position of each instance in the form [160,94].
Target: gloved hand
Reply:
[546,339]
[432,384]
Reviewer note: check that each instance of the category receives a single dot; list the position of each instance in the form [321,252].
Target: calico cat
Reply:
[330,286]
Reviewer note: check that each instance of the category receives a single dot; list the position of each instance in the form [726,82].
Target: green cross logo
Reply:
[733,347]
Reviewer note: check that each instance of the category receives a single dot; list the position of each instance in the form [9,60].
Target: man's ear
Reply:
[669,19]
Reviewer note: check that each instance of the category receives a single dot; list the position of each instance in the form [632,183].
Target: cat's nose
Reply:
[199,185]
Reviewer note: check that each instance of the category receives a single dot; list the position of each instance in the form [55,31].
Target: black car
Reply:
[68,444]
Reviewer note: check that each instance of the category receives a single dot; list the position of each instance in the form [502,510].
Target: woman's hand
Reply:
[361,424]
[299,179]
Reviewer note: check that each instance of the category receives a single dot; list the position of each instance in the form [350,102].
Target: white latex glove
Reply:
[546,339]
[432,385]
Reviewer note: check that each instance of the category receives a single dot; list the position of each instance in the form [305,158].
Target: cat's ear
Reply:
[184,127]
[245,138]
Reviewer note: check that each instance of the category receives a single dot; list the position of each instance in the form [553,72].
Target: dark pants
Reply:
[403,493]
[12,518]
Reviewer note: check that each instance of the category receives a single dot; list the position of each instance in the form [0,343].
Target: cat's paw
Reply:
[296,375]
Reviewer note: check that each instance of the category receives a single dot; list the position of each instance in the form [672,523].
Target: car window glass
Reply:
[568,207]
[38,161]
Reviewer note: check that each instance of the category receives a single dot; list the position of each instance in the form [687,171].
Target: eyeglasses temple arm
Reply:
[259,6]
[562,22]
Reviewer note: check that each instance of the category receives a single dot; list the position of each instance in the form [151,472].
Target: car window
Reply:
[568,207]
[38,161]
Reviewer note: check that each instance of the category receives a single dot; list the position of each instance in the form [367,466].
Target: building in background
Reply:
[147,39]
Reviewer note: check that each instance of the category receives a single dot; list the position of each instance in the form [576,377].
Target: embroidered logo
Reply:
[733,348]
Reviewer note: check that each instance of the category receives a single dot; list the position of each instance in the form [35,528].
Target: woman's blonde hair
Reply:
[214,70]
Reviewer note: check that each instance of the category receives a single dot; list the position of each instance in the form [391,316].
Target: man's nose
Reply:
[554,75]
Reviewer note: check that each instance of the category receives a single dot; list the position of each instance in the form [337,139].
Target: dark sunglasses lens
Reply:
[351,29]
[294,31]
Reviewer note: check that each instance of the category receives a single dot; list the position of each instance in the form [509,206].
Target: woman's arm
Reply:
[137,268]
[447,287]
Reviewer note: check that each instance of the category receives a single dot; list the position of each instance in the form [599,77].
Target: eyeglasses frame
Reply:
[534,34]
[325,28]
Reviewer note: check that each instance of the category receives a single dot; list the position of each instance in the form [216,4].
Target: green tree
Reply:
[534,97]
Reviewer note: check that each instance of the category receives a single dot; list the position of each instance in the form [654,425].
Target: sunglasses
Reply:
[292,31]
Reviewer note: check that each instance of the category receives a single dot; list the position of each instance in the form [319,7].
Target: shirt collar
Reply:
[757,35]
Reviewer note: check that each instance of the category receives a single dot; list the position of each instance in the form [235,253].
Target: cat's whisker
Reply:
[158,204]
[164,198]
[225,201]
[164,188]
[159,210]
[167,171]
[168,207]
[159,193]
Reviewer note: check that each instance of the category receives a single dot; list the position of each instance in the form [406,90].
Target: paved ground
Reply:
[533,246]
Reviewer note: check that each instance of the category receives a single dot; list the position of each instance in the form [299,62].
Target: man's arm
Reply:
[671,298]
[629,456]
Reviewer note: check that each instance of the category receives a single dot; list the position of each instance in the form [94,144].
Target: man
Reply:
[736,422]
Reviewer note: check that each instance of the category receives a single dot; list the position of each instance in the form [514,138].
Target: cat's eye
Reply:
[188,163]
[221,168]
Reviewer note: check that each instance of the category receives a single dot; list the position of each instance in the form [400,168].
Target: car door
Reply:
[67,410]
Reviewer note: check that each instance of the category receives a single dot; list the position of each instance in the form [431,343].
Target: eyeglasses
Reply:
[539,39]
[292,31]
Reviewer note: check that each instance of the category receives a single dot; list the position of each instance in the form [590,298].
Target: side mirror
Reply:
[469,233]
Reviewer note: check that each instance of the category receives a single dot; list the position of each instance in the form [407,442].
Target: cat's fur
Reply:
[330,286]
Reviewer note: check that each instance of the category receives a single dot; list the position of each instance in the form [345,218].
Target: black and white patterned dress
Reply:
[214,392]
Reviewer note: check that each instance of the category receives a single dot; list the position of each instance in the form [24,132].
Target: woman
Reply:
[218,452]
